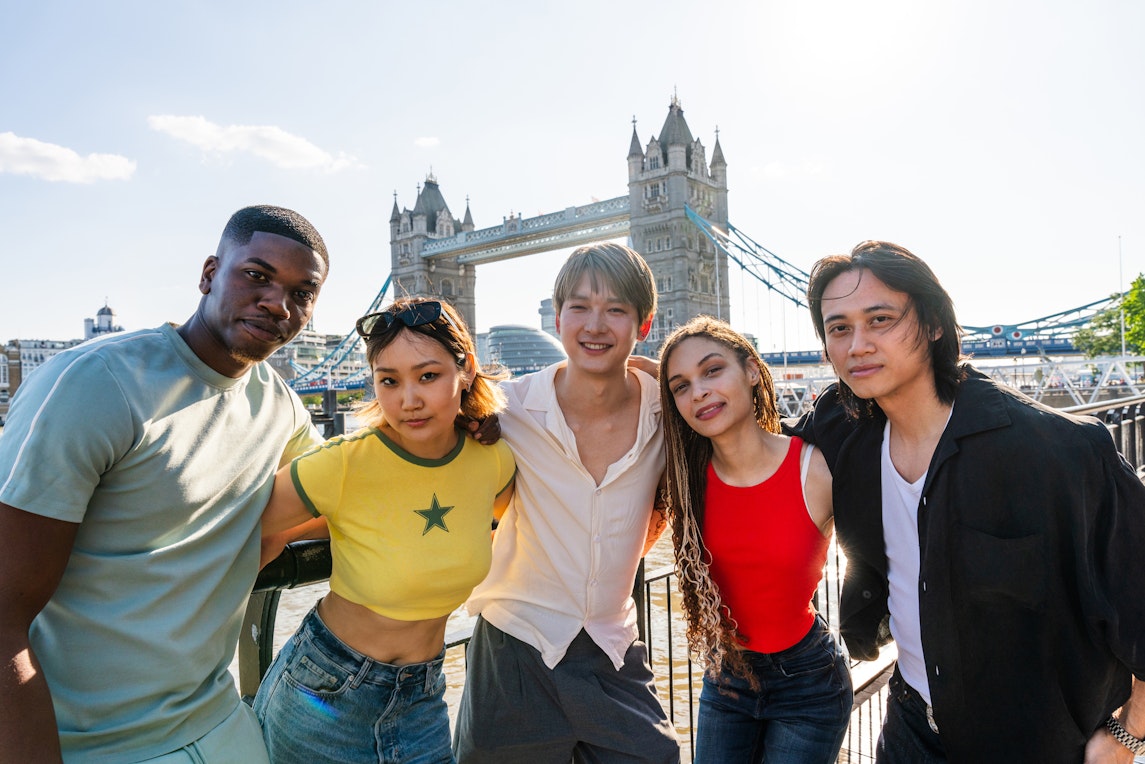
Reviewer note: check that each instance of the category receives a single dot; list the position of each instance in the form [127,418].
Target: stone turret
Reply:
[414,274]
[669,174]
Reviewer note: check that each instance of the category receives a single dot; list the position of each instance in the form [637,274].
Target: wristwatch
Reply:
[1123,737]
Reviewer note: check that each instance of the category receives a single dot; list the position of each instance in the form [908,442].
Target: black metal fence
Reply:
[678,679]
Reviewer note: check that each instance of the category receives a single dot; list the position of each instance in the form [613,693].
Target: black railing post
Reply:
[1129,439]
[256,641]
[301,563]
[638,597]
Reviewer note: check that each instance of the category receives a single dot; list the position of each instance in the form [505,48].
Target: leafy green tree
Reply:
[1103,335]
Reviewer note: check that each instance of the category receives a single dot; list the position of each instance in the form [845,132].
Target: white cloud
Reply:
[427,142]
[264,141]
[28,156]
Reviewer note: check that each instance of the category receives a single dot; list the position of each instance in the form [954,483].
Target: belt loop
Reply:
[431,670]
[363,672]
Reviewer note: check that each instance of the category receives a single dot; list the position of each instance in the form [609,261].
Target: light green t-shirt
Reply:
[166,465]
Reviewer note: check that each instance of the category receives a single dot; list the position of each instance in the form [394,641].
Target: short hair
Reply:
[484,398]
[933,309]
[266,218]
[621,268]
[710,631]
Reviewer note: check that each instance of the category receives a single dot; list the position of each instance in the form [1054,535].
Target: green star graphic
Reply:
[435,515]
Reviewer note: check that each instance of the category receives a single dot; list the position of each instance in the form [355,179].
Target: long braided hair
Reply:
[711,632]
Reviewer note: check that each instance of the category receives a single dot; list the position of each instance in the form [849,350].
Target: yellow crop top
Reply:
[409,537]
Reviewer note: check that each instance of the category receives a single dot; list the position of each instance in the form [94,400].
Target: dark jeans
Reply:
[907,737]
[799,714]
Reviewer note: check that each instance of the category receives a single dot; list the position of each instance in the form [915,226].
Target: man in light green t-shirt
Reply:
[133,472]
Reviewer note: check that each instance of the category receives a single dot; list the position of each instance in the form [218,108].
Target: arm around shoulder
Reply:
[36,554]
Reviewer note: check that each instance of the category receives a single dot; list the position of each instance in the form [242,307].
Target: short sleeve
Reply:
[319,477]
[68,425]
[507,463]
[305,436]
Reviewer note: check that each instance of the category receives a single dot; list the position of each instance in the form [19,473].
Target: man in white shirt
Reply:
[555,670]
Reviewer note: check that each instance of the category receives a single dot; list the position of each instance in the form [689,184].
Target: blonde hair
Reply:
[484,397]
[621,268]
[711,632]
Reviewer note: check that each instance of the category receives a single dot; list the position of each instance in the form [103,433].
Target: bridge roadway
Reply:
[516,237]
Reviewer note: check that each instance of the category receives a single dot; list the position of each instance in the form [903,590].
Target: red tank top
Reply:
[767,554]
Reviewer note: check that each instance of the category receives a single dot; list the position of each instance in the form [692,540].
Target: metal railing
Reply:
[308,562]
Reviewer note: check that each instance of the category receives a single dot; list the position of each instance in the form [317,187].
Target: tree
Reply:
[1103,335]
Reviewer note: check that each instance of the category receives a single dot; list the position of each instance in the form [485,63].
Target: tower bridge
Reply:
[435,253]
[675,215]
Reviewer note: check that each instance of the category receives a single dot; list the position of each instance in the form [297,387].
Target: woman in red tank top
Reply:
[751,522]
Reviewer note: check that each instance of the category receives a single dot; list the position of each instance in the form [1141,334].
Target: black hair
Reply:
[266,218]
[904,272]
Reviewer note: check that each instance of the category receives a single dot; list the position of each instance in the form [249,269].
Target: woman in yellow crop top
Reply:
[409,501]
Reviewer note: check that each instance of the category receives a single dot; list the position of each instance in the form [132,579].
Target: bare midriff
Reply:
[386,640]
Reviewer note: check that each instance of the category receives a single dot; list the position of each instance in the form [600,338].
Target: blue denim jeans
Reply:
[799,714]
[907,736]
[324,701]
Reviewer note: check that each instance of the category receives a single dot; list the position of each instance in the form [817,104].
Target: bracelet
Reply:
[1122,736]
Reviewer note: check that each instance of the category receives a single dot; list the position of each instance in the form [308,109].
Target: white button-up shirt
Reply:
[565,553]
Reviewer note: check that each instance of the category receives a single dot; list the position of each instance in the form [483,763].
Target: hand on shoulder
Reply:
[649,366]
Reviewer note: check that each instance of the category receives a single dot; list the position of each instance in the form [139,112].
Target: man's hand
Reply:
[485,431]
[649,366]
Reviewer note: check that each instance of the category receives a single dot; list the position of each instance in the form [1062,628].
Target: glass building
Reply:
[520,349]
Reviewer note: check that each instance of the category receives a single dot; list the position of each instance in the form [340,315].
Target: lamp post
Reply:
[1121,288]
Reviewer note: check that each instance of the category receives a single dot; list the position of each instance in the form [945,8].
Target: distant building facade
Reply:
[548,317]
[22,357]
[103,323]
[311,350]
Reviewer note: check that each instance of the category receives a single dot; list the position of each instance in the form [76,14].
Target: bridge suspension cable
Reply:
[1047,335]
[768,268]
[321,375]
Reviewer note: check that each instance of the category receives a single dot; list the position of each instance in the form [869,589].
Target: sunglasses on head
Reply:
[417,314]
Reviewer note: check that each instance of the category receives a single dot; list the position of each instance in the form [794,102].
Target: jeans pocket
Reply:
[315,675]
[816,661]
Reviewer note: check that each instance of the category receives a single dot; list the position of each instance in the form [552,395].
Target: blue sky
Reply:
[1000,141]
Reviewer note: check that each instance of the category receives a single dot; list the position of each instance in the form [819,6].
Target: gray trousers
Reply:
[516,710]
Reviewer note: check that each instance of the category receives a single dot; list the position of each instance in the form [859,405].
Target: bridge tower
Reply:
[671,172]
[447,279]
